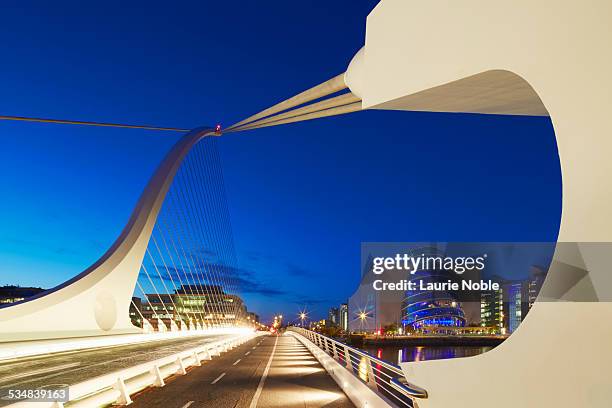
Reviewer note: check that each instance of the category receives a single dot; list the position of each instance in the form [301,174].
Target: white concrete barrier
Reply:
[116,387]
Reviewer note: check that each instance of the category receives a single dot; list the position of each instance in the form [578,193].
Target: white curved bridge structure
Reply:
[96,302]
[518,58]
[477,56]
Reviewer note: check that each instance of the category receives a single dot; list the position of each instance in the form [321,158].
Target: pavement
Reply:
[73,367]
[270,371]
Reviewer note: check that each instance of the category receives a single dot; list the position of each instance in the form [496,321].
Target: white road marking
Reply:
[263,378]
[40,371]
[236,362]
[187,405]
[247,353]
[218,378]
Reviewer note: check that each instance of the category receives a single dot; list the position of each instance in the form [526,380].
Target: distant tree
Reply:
[331,331]
[390,328]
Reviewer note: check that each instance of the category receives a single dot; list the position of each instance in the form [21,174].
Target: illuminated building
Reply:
[205,303]
[136,311]
[333,318]
[492,310]
[344,316]
[430,310]
[536,280]
[12,294]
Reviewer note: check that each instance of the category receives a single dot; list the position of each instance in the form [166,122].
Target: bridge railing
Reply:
[115,388]
[383,377]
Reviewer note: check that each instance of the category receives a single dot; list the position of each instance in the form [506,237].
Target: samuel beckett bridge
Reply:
[190,341]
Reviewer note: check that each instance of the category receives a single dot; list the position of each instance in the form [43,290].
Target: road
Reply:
[73,367]
[271,371]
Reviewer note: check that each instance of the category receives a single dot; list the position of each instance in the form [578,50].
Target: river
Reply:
[423,353]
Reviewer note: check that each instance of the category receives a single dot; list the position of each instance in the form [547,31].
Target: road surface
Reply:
[73,367]
[266,372]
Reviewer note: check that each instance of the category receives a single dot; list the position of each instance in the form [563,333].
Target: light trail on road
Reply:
[75,367]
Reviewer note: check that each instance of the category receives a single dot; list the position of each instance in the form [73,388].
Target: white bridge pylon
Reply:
[520,57]
[97,301]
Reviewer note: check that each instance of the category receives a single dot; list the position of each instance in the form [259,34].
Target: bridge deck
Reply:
[273,371]
[73,367]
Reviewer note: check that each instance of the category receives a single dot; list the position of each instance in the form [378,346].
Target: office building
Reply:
[344,316]
[333,318]
[537,276]
[136,311]
[492,310]
[208,304]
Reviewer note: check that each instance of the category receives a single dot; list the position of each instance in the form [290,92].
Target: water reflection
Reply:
[423,353]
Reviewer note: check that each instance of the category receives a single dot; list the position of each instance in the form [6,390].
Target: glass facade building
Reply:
[423,309]
[492,310]
[344,316]
[208,304]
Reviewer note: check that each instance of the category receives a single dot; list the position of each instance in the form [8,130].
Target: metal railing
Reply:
[381,376]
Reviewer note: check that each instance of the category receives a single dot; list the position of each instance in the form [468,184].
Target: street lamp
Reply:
[362,318]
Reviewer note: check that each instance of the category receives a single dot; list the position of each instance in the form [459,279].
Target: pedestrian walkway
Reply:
[266,372]
[296,379]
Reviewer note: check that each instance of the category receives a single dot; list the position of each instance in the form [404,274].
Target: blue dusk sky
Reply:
[301,197]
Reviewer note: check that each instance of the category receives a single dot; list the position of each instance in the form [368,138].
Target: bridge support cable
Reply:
[142,318]
[328,87]
[340,110]
[184,227]
[300,113]
[191,317]
[201,179]
[212,193]
[181,268]
[201,240]
[159,296]
[153,310]
[192,241]
[209,193]
[86,123]
[186,262]
[206,233]
[231,260]
[178,270]
[214,190]
[163,281]
[297,108]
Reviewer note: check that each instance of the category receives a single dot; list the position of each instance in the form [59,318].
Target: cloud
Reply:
[267,261]
[246,280]
[296,270]
[253,286]
[212,274]
[207,253]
